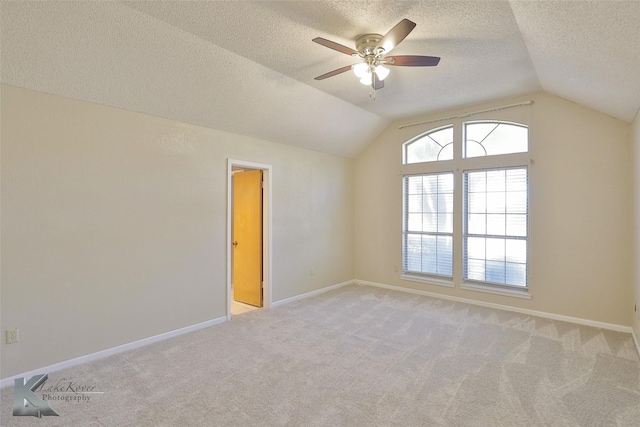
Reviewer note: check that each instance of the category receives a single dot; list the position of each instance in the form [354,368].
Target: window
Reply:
[495,226]
[433,146]
[491,138]
[428,224]
[487,214]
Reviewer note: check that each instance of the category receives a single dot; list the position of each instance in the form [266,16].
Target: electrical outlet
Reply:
[12,335]
[312,272]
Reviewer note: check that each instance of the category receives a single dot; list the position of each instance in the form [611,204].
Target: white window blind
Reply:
[496,226]
[428,224]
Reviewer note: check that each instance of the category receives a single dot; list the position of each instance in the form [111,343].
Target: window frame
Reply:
[463,147]
[422,135]
[465,233]
[459,165]
[406,231]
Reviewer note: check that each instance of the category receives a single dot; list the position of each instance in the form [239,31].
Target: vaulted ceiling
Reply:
[248,67]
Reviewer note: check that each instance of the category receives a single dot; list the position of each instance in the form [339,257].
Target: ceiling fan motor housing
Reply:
[367,43]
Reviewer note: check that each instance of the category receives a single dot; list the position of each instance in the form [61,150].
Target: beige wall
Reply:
[114,224]
[580,214]
[635,141]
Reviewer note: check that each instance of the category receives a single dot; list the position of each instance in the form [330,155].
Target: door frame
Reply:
[266,228]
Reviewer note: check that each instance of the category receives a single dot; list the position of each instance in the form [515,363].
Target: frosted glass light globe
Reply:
[382,72]
[360,69]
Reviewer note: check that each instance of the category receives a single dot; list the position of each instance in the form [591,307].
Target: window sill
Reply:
[428,280]
[477,287]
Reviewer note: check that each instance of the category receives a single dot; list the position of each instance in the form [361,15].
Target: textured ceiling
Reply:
[248,67]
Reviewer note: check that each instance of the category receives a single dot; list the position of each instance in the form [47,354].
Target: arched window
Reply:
[433,146]
[492,138]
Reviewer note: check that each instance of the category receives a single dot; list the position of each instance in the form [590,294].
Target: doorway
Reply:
[248,237]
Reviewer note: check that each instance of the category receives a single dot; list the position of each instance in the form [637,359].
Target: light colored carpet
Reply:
[363,356]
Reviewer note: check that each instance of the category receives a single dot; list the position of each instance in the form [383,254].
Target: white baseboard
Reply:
[552,316]
[312,293]
[635,341]
[111,351]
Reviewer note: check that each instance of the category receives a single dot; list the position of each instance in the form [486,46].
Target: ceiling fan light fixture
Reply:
[382,72]
[372,50]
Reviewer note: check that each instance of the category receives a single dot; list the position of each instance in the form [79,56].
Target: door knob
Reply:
[235,243]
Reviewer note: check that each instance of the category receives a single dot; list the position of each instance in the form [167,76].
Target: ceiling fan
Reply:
[372,50]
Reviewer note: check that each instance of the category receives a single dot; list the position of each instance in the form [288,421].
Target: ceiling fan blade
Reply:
[396,35]
[412,60]
[376,83]
[335,46]
[334,72]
